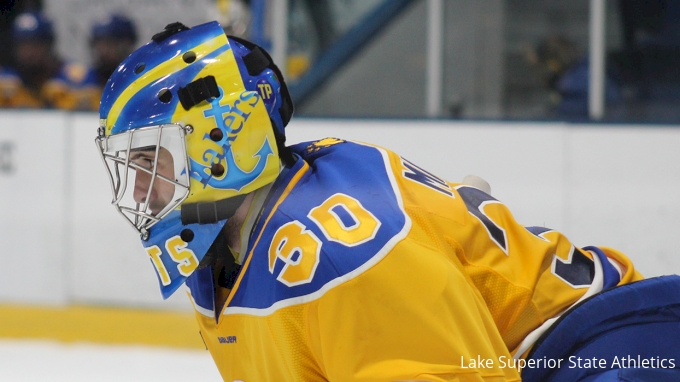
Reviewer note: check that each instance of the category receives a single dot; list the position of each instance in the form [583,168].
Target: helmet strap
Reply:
[210,212]
[285,153]
[169,30]
[198,91]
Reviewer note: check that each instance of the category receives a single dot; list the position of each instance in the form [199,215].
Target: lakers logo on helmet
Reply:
[229,119]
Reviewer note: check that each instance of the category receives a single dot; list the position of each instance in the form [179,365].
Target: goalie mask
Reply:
[189,124]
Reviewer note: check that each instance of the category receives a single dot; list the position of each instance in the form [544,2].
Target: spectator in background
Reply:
[8,12]
[111,41]
[39,78]
[565,71]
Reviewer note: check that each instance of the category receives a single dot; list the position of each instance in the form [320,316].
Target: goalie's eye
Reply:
[143,160]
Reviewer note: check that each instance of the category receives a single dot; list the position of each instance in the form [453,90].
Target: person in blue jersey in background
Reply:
[112,39]
[39,78]
[565,70]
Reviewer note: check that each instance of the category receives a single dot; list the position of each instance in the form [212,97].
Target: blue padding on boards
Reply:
[631,326]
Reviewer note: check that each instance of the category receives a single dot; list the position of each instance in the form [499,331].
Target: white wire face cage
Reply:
[149,172]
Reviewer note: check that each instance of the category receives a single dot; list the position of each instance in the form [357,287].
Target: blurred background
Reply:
[459,59]
[569,109]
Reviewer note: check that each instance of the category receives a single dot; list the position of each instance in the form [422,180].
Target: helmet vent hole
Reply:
[187,235]
[217,169]
[165,95]
[189,57]
[140,68]
[216,134]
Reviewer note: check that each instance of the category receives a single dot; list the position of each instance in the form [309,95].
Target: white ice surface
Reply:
[29,360]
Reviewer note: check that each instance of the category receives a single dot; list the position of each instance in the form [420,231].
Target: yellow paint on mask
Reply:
[247,124]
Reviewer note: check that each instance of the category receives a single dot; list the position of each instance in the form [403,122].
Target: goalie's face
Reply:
[158,193]
[148,170]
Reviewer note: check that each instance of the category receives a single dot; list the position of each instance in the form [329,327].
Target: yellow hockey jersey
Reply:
[364,267]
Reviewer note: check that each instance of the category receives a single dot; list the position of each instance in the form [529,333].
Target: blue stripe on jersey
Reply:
[611,276]
[538,231]
[201,285]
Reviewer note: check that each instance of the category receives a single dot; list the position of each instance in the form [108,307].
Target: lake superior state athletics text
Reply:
[572,362]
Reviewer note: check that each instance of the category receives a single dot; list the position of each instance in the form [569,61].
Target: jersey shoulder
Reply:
[336,150]
[337,213]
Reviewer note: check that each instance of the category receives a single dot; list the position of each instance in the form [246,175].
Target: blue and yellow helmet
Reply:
[190,123]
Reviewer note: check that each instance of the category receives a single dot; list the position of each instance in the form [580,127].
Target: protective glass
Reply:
[148,170]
